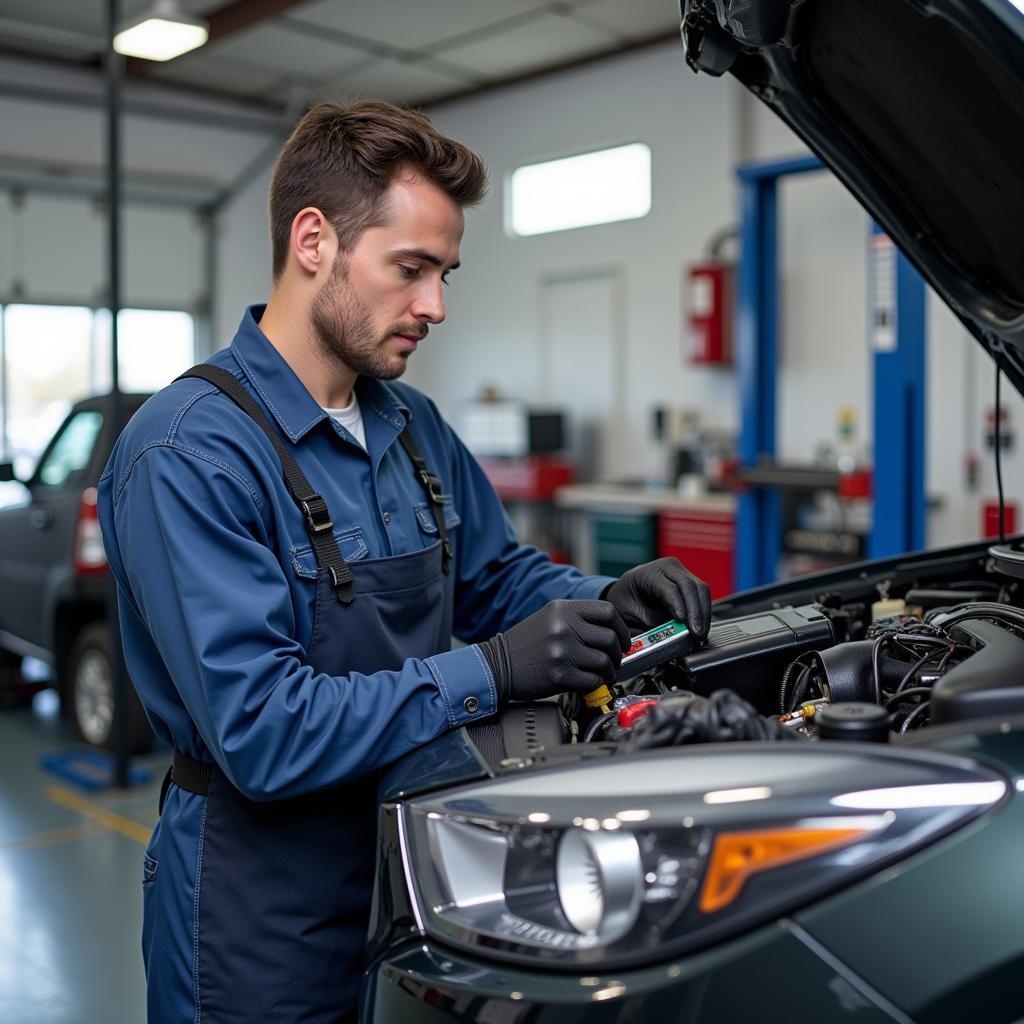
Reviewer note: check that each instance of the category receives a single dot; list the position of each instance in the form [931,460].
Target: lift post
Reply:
[897,332]
[758,515]
[899,382]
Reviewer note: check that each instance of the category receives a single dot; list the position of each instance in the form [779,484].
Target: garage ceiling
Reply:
[278,52]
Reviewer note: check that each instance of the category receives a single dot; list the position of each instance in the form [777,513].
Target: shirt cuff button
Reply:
[471,704]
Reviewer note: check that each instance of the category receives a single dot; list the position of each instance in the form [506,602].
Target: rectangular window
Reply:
[574,192]
[153,347]
[46,369]
[52,356]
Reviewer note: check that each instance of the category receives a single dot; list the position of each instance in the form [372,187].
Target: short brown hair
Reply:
[341,158]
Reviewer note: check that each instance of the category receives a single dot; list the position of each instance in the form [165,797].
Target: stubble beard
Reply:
[343,325]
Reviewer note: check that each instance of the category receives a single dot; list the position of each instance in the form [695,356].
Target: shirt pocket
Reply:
[350,543]
[425,515]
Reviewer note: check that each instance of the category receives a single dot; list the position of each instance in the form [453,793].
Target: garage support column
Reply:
[113,78]
[897,333]
[758,516]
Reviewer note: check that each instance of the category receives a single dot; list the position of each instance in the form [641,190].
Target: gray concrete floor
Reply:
[70,882]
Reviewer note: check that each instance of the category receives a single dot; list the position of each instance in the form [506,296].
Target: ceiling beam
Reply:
[550,69]
[78,85]
[239,14]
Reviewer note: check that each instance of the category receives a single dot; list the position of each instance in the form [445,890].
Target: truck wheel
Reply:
[91,689]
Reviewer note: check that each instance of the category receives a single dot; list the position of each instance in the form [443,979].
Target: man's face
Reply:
[382,295]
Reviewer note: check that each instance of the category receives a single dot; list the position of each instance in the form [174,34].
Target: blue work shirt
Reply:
[217,579]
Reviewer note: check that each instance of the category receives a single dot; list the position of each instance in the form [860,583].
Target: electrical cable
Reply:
[999,453]
[914,714]
[787,676]
[944,660]
[875,651]
[984,610]
[802,685]
[910,691]
[916,667]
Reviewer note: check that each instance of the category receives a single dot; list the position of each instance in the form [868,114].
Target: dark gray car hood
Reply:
[917,106]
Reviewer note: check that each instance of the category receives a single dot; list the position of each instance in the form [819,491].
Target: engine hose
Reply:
[787,677]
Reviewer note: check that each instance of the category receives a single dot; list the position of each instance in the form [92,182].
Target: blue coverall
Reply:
[255,903]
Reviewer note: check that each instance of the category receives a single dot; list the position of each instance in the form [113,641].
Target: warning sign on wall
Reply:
[883,293]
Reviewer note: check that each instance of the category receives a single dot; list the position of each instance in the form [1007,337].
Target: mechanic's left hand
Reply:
[650,593]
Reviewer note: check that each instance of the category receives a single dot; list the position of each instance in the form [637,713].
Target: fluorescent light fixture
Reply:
[161,32]
[592,188]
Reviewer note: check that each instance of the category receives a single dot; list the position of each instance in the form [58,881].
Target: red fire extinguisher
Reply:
[709,289]
[709,313]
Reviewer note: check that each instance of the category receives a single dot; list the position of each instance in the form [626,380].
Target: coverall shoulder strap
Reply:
[432,485]
[315,513]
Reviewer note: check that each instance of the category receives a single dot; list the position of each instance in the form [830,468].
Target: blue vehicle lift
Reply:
[899,387]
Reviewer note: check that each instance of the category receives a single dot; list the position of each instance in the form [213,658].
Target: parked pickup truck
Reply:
[54,575]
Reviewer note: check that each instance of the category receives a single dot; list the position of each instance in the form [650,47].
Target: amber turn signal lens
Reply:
[736,856]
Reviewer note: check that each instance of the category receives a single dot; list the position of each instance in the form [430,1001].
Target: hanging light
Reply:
[161,32]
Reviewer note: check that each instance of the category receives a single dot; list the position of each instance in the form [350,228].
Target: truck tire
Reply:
[90,690]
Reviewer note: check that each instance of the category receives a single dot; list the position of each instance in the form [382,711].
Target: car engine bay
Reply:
[879,656]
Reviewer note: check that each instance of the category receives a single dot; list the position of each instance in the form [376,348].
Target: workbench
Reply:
[624,525]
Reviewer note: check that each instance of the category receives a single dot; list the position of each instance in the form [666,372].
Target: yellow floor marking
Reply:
[100,815]
[51,838]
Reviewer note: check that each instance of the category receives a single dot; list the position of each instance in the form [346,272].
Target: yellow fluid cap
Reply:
[599,698]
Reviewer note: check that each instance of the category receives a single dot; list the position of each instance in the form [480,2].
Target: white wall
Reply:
[824,358]
[961,391]
[494,328]
[243,257]
[693,127]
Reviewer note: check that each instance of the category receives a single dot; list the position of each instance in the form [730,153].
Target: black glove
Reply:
[567,645]
[649,594]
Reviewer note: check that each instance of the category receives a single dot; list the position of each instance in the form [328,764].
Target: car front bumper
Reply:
[778,973]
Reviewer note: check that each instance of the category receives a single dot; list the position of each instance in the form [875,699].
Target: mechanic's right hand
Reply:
[566,646]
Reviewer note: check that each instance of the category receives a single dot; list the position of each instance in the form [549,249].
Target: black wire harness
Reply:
[915,652]
[720,718]
[900,661]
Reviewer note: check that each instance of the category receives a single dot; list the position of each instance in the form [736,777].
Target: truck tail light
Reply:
[90,558]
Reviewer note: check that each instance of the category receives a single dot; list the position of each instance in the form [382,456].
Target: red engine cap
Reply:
[631,712]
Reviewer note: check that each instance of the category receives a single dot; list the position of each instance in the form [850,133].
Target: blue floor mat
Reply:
[89,768]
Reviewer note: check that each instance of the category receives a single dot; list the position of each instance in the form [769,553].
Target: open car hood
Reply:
[917,106]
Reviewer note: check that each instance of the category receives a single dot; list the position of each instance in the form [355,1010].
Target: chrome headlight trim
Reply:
[654,841]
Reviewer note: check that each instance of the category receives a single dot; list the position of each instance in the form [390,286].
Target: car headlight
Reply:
[618,861]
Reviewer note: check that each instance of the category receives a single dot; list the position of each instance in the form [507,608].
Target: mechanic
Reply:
[295,542]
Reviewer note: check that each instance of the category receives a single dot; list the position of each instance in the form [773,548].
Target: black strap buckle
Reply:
[342,583]
[316,513]
[432,485]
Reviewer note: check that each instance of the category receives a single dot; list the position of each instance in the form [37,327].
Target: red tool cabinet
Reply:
[704,542]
